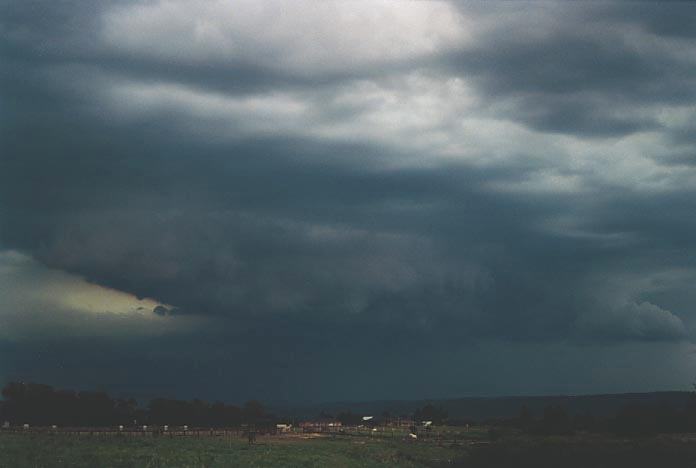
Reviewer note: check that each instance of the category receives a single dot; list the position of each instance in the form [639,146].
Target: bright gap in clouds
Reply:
[301,37]
[37,298]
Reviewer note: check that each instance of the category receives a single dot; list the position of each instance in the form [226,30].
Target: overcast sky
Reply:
[348,200]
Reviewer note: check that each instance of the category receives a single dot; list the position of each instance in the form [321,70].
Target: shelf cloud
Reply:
[354,186]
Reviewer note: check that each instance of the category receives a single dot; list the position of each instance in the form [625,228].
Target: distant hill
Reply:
[480,408]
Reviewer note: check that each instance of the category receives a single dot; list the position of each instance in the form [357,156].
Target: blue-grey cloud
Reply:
[515,182]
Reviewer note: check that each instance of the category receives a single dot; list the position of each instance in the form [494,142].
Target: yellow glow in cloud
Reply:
[31,282]
[83,296]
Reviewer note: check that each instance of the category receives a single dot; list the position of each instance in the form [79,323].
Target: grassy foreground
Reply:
[36,451]
[71,451]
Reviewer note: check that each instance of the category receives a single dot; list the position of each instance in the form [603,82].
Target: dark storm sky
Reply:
[355,200]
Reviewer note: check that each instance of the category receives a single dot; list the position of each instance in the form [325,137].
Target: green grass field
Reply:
[44,450]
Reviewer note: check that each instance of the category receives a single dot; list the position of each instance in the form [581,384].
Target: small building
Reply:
[321,425]
[369,421]
[401,422]
[283,427]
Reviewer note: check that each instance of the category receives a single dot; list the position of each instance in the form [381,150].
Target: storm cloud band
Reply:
[417,179]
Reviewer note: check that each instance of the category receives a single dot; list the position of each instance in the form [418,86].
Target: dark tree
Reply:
[555,421]
[36,404]
[431,413]
[253,411]
[525,420]
[348,418]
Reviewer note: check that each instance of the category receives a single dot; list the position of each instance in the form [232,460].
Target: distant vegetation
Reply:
[631,420]
[42,405]
[636,435]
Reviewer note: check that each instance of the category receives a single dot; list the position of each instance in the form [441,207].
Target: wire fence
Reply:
[437,435]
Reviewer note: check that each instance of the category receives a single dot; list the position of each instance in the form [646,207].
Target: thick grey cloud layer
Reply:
[349,192]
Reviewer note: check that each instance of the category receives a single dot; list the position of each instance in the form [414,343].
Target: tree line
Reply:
[43,405]
[631,420]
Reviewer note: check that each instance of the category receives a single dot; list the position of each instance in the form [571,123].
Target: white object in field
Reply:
[374,429]
[427,423]
[26,426]
[186,428]
[285,427]
[413,436]
[166,428]
[367,418]
[54,427]
[144,428]
[120,427]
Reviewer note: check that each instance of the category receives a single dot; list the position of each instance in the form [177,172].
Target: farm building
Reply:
[320,425]
[283,427]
